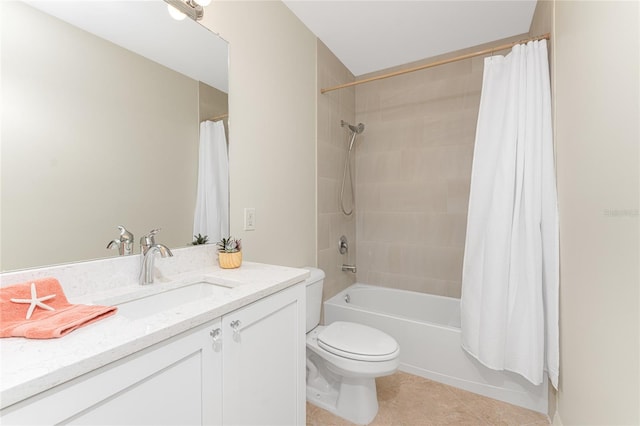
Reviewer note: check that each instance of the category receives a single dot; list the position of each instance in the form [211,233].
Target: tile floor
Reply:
[407,400]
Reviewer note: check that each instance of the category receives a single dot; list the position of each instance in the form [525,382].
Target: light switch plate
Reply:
[249,219]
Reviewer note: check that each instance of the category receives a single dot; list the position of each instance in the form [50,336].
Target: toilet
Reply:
[344,359]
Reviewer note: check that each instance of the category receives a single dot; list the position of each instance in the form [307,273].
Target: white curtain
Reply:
[509,304]
[212,200]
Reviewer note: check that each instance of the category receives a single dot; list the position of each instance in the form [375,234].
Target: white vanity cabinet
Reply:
[244,368]
[164,384]
[264,361]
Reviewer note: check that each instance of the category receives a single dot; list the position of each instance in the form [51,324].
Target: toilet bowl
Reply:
[343,361]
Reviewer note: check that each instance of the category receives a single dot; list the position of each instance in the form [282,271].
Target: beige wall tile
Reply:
[458,196]
[323,230]
[413,177]
[331,156]
[412,171]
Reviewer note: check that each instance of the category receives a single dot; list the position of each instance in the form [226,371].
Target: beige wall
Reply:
[93,136]
[597,138]
[542,23]
[332,153]
[272,148]
[413,175]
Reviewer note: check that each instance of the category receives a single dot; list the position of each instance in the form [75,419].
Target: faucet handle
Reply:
[124,234]
[124,243]
[149,239]
[126,240]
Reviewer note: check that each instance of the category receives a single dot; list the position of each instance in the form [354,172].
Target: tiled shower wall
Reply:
[413,175]
[332,150]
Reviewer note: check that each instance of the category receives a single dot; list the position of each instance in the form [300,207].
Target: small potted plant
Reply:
[199,239]
[229,253]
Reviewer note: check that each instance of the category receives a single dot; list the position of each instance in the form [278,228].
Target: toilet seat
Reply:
[357,342]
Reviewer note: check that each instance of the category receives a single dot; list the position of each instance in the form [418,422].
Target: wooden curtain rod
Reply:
[436,63]
[219,117]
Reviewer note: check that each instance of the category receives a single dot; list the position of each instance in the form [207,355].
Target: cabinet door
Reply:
[177,382]
[263,361]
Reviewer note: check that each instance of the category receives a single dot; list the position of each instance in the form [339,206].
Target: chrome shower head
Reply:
[358,129]
[355,129]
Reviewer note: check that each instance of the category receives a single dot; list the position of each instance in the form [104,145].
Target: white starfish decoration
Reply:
[35,301]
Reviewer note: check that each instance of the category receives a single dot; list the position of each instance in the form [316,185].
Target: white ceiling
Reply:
[369,36]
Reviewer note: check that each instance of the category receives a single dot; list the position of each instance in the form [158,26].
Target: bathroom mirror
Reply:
[100,127]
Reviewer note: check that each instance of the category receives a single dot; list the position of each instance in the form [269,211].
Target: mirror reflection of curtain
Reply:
[212,199]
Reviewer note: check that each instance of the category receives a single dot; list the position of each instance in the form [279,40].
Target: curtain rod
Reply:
[219,117]
[436,63]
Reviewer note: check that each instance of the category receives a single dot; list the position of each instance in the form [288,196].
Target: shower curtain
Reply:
[212,198]
[509,304]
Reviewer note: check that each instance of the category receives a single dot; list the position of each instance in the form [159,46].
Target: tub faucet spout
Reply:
[349,268]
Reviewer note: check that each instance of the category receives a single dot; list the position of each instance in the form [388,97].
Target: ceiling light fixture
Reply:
[178,9]
[175,13]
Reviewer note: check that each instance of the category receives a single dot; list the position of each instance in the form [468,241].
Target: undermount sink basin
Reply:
[158,302]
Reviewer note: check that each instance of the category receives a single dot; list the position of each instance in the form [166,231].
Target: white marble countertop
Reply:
[29,367]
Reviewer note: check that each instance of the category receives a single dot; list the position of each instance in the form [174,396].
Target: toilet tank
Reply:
[314,297]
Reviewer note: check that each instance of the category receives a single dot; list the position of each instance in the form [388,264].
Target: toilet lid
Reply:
[357,341]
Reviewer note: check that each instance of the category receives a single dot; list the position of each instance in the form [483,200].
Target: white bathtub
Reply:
[427,327]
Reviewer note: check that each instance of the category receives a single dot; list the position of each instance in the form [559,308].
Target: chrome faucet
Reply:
[124,243]
[343,248]
[148,250]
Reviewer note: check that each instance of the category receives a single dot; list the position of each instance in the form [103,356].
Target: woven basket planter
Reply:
[230,260]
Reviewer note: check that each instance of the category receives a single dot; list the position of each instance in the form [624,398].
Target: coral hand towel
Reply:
[44,323]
